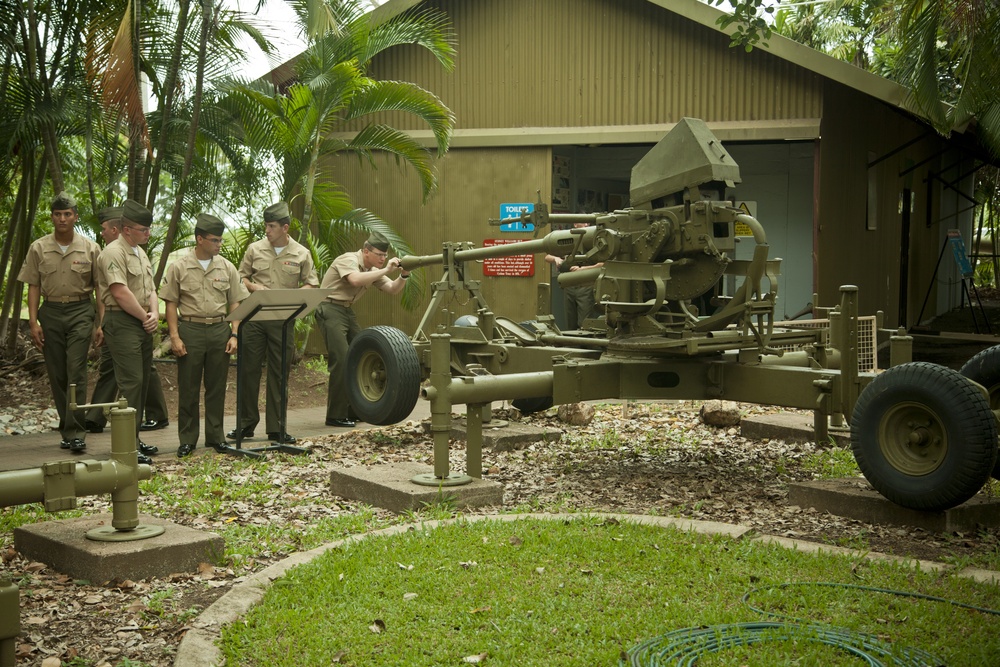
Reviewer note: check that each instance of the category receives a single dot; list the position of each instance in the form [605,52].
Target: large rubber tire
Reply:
[924,436]
[383,375]
[528,406]
[984,368]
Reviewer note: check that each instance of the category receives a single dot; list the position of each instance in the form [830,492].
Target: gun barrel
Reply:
[559,243]
[580,277]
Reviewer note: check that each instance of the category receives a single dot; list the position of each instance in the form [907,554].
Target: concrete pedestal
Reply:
[854,498]
[63,546]
[790,427]
[506,438]
[389,486]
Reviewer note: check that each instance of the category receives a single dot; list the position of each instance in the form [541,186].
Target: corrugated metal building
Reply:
[564,96]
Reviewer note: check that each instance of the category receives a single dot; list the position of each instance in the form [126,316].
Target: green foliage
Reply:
[214,487]
[749,20]
[583,592]
[944,52]
[832,463]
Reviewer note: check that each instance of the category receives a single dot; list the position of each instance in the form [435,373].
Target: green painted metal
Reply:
[658,264]
[10,622]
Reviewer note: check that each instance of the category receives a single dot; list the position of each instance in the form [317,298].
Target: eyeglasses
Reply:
[141,230]
[380,255]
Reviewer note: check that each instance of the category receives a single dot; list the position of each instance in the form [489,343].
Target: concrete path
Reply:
[18,452]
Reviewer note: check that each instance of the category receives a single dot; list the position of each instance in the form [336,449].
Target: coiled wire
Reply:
[683,648]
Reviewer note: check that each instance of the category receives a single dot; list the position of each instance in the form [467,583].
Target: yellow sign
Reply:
[741,228]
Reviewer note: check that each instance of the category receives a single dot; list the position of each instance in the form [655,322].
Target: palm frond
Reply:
[429,28]
[120,82]
[379,96]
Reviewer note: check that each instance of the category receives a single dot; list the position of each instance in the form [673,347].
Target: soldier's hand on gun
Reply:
[392,264]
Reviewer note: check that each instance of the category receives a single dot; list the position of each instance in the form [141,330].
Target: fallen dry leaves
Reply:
[631,459]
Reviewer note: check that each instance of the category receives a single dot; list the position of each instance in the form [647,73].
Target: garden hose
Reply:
[684,647]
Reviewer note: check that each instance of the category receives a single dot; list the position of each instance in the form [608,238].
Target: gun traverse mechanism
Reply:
[923,435]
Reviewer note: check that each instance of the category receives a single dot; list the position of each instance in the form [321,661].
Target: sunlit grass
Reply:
[553,593]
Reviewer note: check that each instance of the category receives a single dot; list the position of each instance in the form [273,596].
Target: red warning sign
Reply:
[514,266]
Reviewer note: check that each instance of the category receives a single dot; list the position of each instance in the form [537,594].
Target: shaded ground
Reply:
[25,380]
[654,458]
[952,338]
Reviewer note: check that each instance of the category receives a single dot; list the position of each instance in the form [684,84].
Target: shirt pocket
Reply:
[190,283]
[134,267]
[49,267]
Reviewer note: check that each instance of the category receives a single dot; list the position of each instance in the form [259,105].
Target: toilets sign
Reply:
[514,211]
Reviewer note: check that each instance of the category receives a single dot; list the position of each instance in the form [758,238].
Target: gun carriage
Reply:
[924,436]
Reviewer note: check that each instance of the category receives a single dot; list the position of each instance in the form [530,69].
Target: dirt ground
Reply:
[306,383]
[654,459]
[308,379]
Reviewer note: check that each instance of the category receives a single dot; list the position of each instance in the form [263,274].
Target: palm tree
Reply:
[845,29]
[302,125]
[948,53]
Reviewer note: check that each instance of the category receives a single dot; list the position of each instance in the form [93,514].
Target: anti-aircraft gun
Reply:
[923,435]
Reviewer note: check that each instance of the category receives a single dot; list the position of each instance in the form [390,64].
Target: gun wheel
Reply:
[924,436]
[984,368]
[383,375]
[528,406]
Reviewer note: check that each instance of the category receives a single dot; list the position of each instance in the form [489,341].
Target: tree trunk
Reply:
[11,317]
[155,162]
[16,218]
[192,140]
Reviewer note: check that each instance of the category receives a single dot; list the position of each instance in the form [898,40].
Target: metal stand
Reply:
[270,305]
[967,281]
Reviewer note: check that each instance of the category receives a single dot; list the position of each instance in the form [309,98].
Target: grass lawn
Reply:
[586,592]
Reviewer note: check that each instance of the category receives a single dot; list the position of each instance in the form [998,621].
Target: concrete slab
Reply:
[63,546]
[389,486]
[787,426]
[980,575]
[818,548]
[506,437]
[855,499]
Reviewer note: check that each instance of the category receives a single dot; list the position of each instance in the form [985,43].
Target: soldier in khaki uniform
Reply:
[132,310]
[201,288]
[349,277]
[106,388]
[62,268]
[274,262]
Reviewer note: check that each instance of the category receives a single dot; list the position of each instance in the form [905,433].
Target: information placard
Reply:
[514,266]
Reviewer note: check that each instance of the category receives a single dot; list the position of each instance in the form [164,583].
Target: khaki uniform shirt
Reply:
[292,268]
[120,264]
[72,274]
[344,292]
[203,292]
